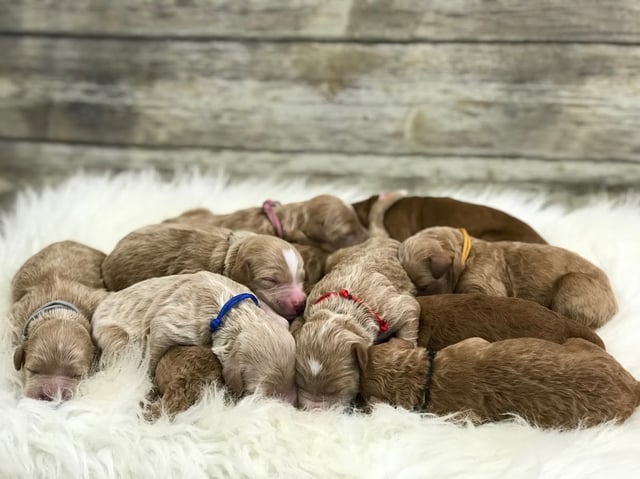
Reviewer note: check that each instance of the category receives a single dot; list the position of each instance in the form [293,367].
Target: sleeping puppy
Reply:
[324,221]
[54,295]
[365,297]
[267,265]
[550,385]
[446,319]
[256,353]
[405,216]
[182,374]
[447,260]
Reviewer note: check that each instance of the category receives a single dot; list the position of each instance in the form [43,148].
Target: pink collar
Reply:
[267,209]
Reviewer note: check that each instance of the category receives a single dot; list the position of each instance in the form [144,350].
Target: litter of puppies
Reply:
[430,304]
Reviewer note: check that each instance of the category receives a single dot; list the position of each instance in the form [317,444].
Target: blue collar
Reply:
[217,321]
[45,308]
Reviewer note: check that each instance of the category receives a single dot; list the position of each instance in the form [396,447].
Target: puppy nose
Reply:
[49,393]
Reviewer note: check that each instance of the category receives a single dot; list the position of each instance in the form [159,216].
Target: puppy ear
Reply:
[232,375]
[18,358]
[438,273]
[360,351]
[440,264]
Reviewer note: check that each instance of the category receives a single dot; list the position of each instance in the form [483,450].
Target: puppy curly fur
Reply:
[58,351]
[182,374]
[256,353]
[550,385]
[332,341]
[258,261]
[325,222]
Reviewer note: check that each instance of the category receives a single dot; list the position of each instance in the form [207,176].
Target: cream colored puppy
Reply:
[365,297]
[257,355]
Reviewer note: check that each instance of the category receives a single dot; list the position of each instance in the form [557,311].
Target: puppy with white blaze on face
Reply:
[269,266]
[365,297]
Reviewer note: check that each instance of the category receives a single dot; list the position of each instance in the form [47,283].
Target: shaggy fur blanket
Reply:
[101,433]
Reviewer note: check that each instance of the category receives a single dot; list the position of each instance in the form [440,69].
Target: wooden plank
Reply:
[396,20]
[23,158]
[544,101]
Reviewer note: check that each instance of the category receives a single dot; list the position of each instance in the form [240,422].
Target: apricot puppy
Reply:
[446,260]
[324,221]
[550,385]
[446,319]
[54,294]
[365,297]
[182,374]
[269,266]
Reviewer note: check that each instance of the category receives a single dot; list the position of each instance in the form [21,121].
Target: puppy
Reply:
[256,354]
[325,222]
[446,319]
[265,264]
[404,216]
[54,294]
[364,297]
[447,260]
[551,385]
[182,374]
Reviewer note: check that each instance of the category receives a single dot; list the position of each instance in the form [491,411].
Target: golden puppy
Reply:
[182,374]
[267,265]
[256,353]
[54,295]
[550,385]
[447,260]
[324,221]
[364,297]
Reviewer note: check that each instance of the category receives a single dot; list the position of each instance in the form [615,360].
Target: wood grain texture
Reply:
[388,20]
[542,101]
[20,158]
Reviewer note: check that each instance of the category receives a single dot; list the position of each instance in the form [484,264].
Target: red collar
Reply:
[383,326]
[267,209]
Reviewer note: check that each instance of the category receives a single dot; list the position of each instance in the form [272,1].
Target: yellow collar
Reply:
[466,246]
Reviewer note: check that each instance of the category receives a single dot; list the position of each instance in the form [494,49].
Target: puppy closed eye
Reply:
[268,282]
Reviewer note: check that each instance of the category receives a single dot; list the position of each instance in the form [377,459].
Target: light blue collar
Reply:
[45,308]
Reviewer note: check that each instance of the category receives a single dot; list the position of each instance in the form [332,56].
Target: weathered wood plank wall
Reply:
[459,90]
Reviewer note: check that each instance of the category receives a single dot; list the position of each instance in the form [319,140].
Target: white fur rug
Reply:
[100,433]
